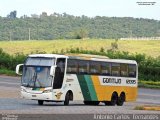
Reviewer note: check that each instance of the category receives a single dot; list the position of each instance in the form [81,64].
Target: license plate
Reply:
[34,96]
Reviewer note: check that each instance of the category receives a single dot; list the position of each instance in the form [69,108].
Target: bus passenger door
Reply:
[59,73]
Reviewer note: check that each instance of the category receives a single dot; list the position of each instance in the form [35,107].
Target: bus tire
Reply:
[67,98]
[40,102]
[121,99]
[113,99]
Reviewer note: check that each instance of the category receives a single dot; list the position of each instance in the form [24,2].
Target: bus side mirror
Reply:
[52,70]
[17,68]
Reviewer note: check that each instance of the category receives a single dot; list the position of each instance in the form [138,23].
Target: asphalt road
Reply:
[10,102]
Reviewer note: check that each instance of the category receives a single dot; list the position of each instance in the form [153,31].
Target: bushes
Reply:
[9,61]
[149,68]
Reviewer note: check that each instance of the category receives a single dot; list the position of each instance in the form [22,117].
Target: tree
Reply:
[12,15]
[82,33]
[34,16]
[65,26]
[114,45]
[44,14]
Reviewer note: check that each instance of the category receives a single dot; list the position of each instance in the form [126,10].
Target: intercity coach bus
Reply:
[89,78]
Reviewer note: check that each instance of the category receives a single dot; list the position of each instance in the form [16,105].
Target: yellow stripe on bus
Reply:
[104,92]
[98,88]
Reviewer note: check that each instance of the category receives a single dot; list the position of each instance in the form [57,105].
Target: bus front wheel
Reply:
[40,102]
[67,98]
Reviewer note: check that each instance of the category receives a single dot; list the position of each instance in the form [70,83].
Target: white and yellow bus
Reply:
[90,78]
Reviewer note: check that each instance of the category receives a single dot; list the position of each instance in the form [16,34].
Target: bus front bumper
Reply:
[37,96]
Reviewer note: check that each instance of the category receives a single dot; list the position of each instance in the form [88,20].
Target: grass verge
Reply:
[149,84]
[155,108]
[7,72]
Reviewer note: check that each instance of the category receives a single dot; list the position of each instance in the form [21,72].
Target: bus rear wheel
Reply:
[121,99]
[113,99]
[40,102]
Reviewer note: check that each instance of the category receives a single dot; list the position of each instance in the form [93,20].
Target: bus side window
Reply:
[83,66]
[59,73]
[115,69]
[105,68]
[72,66]
[132,70]
[94,67]
[124,70]
[61,64]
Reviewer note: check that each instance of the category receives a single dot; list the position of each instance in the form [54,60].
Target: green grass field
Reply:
[148,47]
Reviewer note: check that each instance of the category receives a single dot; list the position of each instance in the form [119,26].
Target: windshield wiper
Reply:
[34,79]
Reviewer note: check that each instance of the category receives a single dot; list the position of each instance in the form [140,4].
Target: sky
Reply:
[90,8]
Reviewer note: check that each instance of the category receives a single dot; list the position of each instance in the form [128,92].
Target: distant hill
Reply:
[65,26]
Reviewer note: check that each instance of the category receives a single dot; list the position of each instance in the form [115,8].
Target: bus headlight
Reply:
[47,91]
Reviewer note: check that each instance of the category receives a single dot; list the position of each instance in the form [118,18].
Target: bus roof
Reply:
[85,57]
[99,58]
[48,55]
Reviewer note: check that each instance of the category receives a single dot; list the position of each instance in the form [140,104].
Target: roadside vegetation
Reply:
[7,72]
[149,84]
[148,107]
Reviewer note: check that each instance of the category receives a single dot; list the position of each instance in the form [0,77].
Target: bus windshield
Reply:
[36,76]
[36,72]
